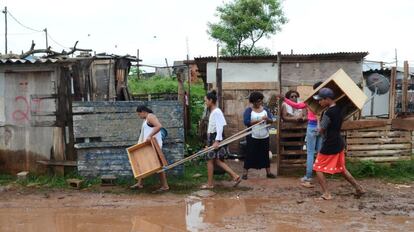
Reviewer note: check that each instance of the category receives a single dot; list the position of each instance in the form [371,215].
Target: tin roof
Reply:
[289,57]
[29,61]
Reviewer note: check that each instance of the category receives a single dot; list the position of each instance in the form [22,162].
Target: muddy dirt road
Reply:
[269,205]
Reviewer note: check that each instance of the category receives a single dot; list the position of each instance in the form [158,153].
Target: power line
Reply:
[21,24]
[50,37]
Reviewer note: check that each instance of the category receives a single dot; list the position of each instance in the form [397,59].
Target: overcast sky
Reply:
[160,28]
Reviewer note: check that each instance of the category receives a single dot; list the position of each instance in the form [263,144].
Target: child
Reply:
[215,129]
[331,157]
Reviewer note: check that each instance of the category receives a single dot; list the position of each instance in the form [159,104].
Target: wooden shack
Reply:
[36,96]
[243,74]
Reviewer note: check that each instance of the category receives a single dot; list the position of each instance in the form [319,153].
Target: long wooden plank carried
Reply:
[378,147]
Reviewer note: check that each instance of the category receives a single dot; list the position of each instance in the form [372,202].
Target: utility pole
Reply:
[396,59]
[138,64]
[47,43]
[5,28]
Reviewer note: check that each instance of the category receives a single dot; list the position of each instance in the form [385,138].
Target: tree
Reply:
[244,22]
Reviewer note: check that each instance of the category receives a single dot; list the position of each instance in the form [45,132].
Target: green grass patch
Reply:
[400,171]
[184,184]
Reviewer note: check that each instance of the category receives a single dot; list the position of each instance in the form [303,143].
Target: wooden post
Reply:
[392,93]
[219,85]
[404,100]
[168,67]
[279,123]
[138,64]
[5,29]
[187,106]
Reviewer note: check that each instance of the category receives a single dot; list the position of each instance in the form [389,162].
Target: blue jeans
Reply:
[313,145]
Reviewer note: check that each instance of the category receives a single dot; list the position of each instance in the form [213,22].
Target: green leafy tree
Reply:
[244,22]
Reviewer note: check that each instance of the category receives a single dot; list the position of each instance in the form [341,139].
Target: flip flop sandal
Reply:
[237,181]
[206,186]
[307,185]
[136,186]
[324,198]
[161,190]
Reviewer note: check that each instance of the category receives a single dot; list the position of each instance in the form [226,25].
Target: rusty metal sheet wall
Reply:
[21,144]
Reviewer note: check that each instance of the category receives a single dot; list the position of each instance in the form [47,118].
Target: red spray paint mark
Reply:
[21,115]
[24,113]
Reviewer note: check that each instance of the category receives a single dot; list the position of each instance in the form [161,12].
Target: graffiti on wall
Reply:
[25,108]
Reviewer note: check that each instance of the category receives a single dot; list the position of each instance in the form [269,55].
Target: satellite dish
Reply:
[378,83]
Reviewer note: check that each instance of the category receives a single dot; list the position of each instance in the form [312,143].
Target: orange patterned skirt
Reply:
[331,164]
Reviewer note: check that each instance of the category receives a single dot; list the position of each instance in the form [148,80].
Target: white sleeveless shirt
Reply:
[147,130]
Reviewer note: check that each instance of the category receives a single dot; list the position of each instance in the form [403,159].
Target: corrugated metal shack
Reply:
[35,106]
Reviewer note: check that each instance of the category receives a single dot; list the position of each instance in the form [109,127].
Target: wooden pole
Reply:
[219,86]
[168,67]
[138,64]
[404,100]
[47,42]
[5,29]
[188,102]
[392,93]
[279,123]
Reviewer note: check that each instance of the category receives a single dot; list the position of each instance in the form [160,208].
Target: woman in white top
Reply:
[150,128]
[258,142]
[215,129]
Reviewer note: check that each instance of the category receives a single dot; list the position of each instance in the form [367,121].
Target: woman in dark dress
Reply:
[258,142]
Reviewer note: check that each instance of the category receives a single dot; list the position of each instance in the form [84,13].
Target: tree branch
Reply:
[50,53]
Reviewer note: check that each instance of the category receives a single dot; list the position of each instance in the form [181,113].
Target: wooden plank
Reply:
[66,163]
[383,159]
[376,134]
[293,152]
[159,152]
[392,93]
[378,153]
[299,143]
[287,166]
[58,149]
[403,123]
[362,124]
[350,141]
[404,101]
[293,161]
[379,146]
[292,135]
[290,125]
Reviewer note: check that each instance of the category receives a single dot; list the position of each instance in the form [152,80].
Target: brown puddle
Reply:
[192,214]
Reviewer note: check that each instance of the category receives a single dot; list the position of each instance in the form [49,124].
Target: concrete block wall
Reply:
[105,129]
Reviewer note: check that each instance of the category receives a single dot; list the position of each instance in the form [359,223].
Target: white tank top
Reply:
[147,131]
[257,133]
